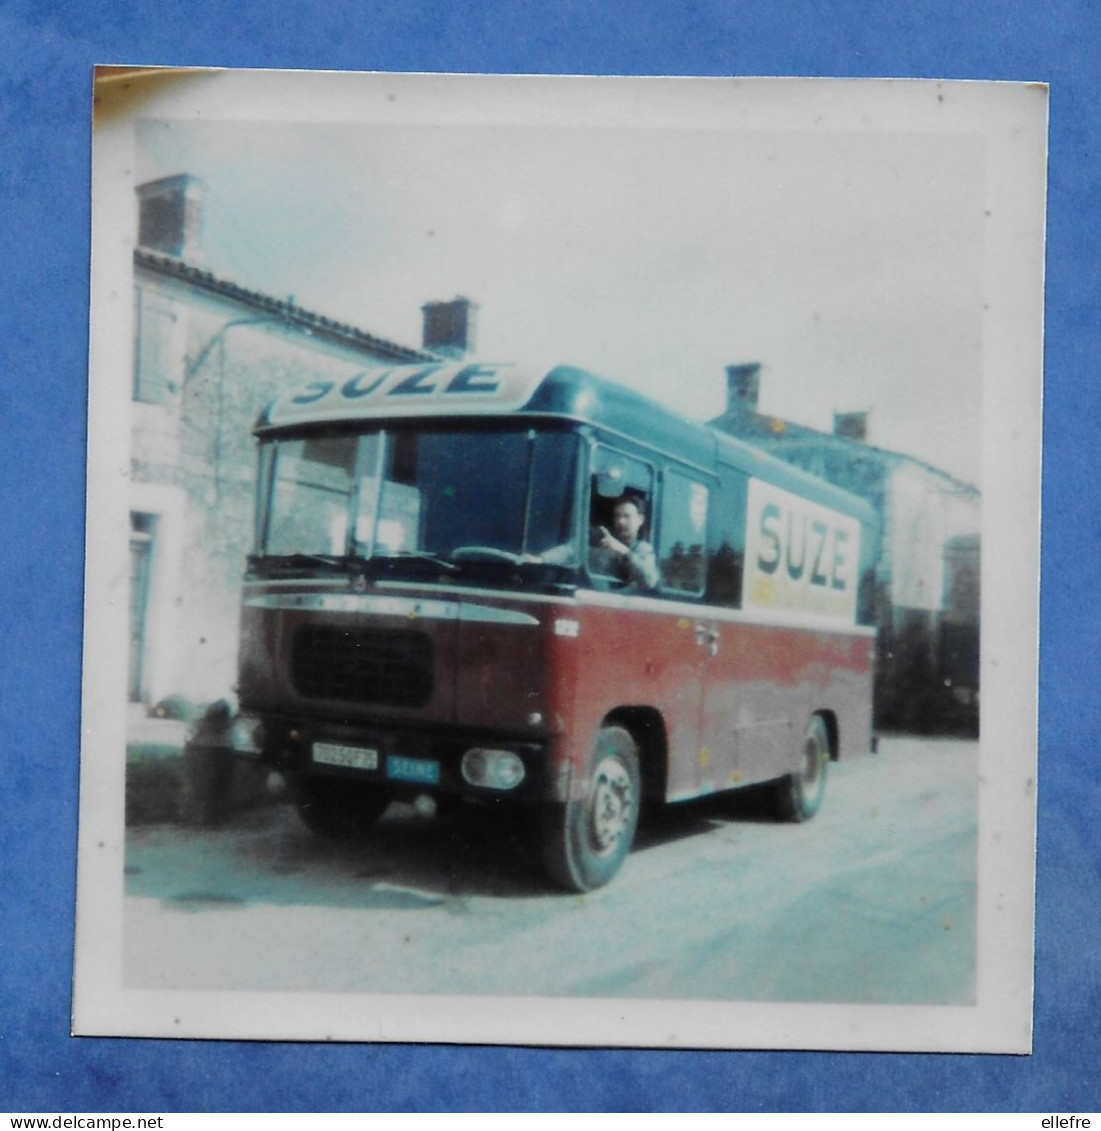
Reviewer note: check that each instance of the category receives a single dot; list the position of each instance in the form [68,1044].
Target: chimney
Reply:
[170,216]
[449,326]
[851,425]
[743,384]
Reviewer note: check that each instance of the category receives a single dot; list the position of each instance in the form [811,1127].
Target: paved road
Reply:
[872,901]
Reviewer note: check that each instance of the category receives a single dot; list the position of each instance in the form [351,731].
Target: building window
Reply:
[156,348]
[142,532]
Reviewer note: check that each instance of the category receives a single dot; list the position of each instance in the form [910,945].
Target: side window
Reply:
[683,528]
[617,480]
[726,548]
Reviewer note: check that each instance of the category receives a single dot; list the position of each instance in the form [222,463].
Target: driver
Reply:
[623,554]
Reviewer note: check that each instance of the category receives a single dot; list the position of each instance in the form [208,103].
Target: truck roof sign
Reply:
[428,389]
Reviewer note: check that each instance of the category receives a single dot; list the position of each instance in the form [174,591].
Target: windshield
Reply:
[449,495]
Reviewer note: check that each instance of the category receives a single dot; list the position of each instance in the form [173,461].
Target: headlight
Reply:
[493,769]
[246,735]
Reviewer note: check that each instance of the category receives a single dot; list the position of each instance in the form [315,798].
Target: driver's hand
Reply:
[609,542]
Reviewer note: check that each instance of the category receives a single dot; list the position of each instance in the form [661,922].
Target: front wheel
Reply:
[799,795]
[586,841]
[336,808]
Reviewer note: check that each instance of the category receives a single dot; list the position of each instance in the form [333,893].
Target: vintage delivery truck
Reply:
[473,581]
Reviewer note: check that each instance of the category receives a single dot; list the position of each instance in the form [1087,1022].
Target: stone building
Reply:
[207,356]
[927,574]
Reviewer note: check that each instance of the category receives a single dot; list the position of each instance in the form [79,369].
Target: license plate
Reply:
[413,769]
[353,757]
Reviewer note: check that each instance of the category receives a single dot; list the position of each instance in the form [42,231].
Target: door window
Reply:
[619,479]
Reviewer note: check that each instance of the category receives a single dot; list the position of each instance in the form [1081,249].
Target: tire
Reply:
[336,808]
[799,795]
[586,841]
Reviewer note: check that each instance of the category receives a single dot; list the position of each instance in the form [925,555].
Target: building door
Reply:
[141,562]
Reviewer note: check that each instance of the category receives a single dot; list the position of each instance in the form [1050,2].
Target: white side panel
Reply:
[800,557]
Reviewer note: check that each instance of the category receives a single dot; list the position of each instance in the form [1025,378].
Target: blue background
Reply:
[48,50]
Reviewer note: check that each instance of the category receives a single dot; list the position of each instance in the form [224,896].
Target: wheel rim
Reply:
[812,770]
[612,805]
[816,758]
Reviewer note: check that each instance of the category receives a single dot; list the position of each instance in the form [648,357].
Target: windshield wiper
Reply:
[339,561]
[308,559]
[424,556]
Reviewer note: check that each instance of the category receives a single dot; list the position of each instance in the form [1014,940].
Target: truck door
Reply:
[727,698]
[685,503]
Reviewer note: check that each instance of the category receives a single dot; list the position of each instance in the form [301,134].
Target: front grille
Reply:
[389,667]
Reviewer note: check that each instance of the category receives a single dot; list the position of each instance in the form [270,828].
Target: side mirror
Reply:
[610,482]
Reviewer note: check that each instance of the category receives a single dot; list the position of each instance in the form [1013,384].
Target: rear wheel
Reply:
[585,841]
[799,795]
[338,809]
